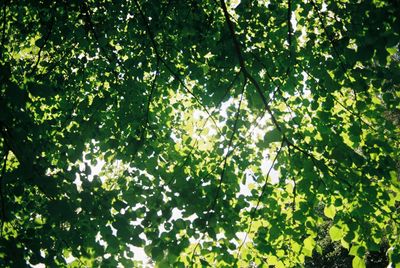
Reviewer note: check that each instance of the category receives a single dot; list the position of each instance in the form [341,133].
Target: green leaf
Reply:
[176,115]
[272,136]
[204,263]
[330,211]
[358,262]
[335,233]
[309,243]
[157,253]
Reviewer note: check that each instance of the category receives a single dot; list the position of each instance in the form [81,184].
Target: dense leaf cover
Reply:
[222,125]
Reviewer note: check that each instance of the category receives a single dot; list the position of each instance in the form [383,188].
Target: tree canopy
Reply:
[227,132]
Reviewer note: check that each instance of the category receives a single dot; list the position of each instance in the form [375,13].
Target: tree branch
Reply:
[3,209]
[3,34]
[243,66]
[289,37]
[174,74]
[46,38]
[146,119]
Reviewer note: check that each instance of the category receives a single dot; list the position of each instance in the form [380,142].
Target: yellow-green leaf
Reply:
[358,262]
[330,211]
[335,233]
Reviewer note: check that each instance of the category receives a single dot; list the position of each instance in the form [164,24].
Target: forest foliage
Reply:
[229,132]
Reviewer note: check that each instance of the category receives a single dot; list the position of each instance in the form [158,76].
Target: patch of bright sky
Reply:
[95,171]
[257,130]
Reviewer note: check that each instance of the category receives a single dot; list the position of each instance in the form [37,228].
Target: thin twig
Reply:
[234,130]
[252,214]
[212,209]
[89,22]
